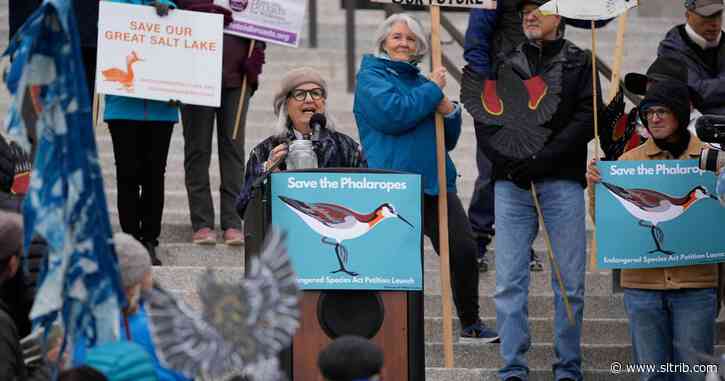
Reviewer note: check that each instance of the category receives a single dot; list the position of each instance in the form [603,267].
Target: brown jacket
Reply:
[667,278]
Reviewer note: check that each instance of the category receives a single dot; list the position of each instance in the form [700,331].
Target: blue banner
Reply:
[657,214]
[351,231]
[80,286]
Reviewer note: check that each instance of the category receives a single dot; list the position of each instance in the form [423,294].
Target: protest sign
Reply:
[657,214]
[142,55]
[483,4]
[275,21]
[352,231]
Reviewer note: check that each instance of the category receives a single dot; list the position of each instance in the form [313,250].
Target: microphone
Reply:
[318,120]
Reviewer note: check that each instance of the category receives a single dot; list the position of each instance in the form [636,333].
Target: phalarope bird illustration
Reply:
[337,223]
[652,207]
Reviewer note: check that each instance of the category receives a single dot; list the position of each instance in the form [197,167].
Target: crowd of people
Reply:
[671,311]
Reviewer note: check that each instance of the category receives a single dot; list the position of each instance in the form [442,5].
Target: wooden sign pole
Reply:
[240,109]
[618,56]
[436,56]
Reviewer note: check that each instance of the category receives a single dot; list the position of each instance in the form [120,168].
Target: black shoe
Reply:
[152,253]
[513,379]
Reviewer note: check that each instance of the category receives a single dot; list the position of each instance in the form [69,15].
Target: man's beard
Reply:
[534,35]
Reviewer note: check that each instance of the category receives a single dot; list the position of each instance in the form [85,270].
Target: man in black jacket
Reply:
[699,45]
[557,171]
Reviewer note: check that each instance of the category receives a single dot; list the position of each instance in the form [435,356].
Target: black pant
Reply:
[140,149]
[198,131]
[464,270]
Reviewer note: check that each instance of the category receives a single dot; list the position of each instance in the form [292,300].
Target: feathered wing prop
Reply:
[513,108]
[242,327]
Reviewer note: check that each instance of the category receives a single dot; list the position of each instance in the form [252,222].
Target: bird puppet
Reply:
[242,327]
[514,106]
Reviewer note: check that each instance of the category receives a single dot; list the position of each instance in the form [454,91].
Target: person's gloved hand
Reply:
[523,172]
[7,166]
[253,64]
[213,8]
[162,9]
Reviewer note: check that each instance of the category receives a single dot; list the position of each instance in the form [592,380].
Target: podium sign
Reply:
[351,231]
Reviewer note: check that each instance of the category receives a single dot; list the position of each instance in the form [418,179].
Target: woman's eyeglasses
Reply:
[301,95]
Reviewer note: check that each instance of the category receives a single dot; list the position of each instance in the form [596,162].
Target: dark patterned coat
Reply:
[334,150]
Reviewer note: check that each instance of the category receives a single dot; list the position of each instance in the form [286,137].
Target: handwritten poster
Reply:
[142,55]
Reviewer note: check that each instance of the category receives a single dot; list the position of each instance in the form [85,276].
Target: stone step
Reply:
[541,306]
[541,355]
[542,374]
[220,255]
[176,227]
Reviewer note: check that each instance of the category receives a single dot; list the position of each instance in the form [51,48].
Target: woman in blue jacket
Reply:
[395,108]
[141,134]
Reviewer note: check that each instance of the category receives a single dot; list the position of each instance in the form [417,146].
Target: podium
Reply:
[370,285]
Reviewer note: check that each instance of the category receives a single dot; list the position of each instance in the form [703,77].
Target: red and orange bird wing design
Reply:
[515,105]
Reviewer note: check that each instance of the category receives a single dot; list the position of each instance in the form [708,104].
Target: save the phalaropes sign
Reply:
[483,4]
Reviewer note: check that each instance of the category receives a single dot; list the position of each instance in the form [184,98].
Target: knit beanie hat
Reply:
[674,95]
[122,361]
[294,78]
[11,235]
[350,358]
[133,259]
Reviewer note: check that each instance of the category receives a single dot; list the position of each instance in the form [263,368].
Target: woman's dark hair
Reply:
[83,373]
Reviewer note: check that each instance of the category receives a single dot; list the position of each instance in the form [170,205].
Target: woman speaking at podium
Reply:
[299,106]
[395,108]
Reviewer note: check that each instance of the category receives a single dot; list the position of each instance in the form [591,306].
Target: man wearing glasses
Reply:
[302,94]
[671,310]
[557,170]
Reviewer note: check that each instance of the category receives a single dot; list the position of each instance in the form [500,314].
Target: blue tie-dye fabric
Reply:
[80,286]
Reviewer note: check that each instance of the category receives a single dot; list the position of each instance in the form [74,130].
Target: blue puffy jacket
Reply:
[127,108]
[139,326]
[395,109]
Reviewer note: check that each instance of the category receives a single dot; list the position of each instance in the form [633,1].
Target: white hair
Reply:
[281,125]
[421,40]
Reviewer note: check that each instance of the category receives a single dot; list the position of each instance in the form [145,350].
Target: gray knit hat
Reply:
[11,235]
[294,78]
[133,259]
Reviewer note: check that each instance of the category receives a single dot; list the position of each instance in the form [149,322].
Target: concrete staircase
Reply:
[605,339]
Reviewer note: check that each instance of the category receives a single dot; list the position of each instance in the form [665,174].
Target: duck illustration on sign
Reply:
[124,78]
[651,207]
[337,223]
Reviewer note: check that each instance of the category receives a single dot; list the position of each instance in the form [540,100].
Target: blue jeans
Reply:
[517,225]
[671,326]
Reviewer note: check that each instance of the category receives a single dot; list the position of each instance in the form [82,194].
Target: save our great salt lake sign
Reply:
[142,55]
